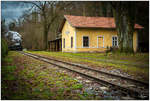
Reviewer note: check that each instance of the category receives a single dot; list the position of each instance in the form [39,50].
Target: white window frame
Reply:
[88,41]
[112,40]
[75,46]
[97,40]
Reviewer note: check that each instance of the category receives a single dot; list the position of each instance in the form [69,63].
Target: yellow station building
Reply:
[91,34]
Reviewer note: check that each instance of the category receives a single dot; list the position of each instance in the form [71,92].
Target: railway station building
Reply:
[89,34]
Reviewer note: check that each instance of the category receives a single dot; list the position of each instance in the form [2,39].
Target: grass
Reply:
[134,64]
[26,78]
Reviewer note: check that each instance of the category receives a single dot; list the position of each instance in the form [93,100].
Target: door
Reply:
[100,41]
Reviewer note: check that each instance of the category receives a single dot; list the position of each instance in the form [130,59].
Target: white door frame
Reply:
[97,40]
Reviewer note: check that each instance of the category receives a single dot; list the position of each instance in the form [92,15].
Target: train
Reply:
[14,40]
[15,47]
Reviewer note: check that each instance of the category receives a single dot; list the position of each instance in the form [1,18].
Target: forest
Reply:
[41,22]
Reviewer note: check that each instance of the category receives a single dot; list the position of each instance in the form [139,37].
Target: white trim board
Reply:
[91,47]
[75,38]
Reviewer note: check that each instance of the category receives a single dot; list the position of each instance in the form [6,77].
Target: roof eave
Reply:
[104,27]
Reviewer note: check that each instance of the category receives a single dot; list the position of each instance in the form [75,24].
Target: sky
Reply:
[13,9]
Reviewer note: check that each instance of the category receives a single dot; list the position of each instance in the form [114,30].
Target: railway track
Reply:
[135,88]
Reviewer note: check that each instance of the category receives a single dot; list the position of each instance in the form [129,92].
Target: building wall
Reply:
[93,34]
[93,39]
[67,32]
[78,33]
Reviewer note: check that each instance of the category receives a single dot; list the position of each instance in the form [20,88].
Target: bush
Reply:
[4,48]
[112,49]
[115,50]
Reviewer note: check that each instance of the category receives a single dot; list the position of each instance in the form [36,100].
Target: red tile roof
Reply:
[93,22]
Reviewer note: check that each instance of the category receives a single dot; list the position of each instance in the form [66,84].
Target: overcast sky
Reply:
[13,9]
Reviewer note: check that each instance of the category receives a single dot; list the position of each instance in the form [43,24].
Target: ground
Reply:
[136,65]
[26,78]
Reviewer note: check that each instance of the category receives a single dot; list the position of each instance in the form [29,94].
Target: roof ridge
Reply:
[88,16]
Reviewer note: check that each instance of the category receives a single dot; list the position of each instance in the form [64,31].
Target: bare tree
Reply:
[49,10]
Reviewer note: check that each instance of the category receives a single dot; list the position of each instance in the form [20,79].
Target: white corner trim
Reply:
[75,44]
[88,41]
[97,40]
[90,47]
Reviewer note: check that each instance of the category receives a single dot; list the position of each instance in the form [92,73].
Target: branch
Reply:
[31,8]
[64,5]
[52,20]
[34,4]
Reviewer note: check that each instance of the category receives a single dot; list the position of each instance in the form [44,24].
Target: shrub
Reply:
[115,50]
[112,49]
[4,48]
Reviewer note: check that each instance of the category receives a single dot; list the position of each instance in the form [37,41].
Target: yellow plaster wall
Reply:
[93,35]
[68,27]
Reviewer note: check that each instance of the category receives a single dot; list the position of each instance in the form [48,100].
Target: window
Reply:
[85,41]
[114,41]
[64,42]
[71,42]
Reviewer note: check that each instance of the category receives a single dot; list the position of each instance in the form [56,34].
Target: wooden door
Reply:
[100,41]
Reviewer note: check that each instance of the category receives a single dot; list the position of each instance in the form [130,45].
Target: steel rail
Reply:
[96,70]
[133,92]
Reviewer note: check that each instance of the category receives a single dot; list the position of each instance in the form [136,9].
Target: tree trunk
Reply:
[45,39]
[124,19]
[45,27]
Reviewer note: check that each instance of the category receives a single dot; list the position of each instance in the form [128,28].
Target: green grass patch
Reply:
[134,64]
[8,68]
[8,59]
[77,86]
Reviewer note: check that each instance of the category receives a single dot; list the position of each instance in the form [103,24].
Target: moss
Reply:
[34,81]
[77,86]
[30,74]
[9,77]
[7,59]
[8,69]
[82,97]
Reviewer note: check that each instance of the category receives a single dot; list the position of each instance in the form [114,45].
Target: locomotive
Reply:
[14,40]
